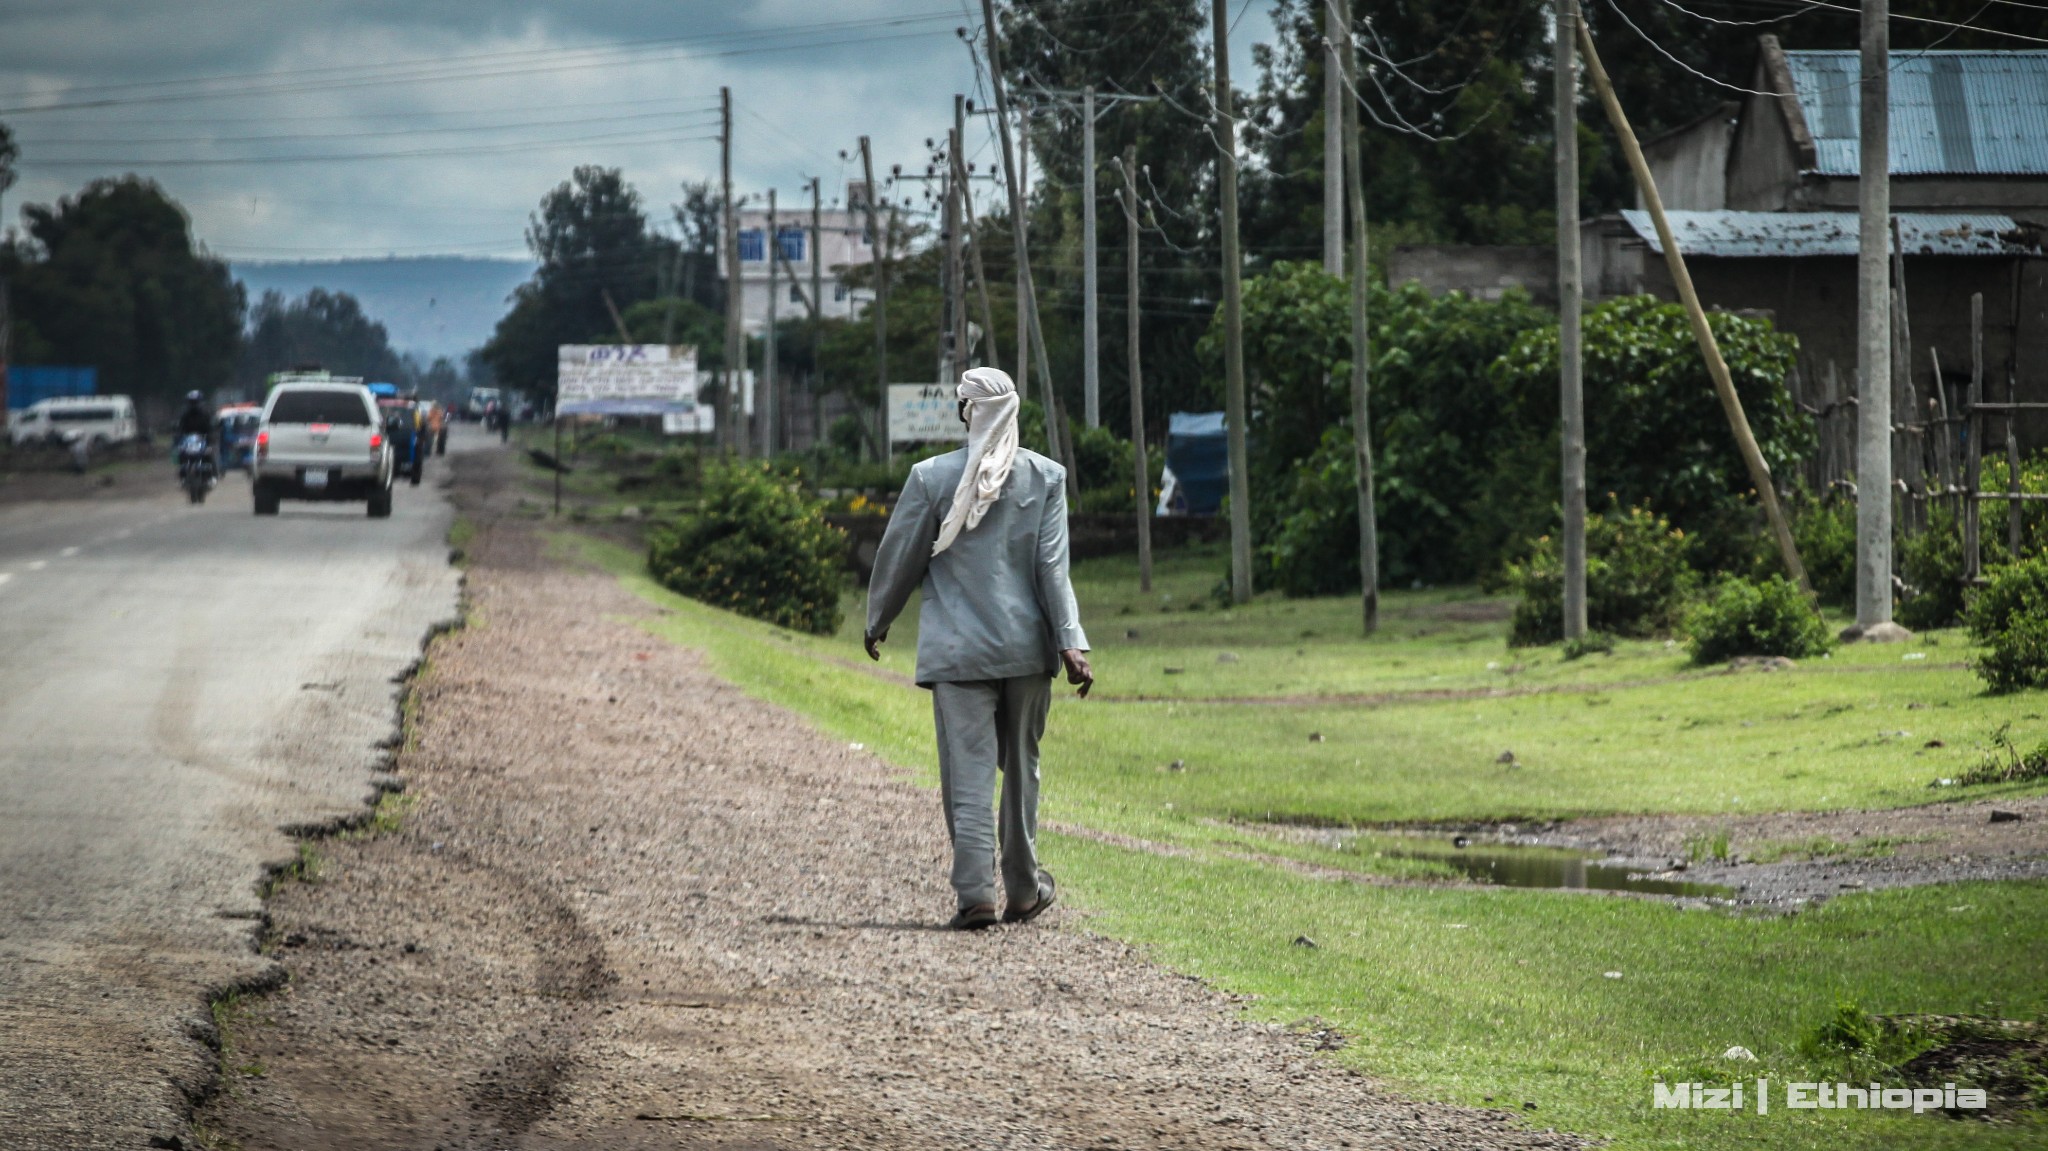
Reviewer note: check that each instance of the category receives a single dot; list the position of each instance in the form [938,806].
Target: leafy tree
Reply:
[698,215]
[1657,436]
[323,328]
[591,238]
[111,278]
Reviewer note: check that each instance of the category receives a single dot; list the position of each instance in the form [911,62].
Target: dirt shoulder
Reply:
[631,907]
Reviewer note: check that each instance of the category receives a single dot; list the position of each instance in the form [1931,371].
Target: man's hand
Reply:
[874,645]
[1078,671]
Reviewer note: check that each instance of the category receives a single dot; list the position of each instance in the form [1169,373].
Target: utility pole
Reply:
[880,252]
[988,314]
[729,432]
[1027,295]
[1234,406]
[1333,139]
[764,390]
[1023,236]
[1874,335]
[956,241]
[1361,353]
[1141,471]
[817,312]
[1091,378]
[1570,377]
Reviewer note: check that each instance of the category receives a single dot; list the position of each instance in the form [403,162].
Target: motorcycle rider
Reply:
[197,420]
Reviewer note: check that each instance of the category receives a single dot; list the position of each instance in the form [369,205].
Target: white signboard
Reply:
[625,379]
[924,412]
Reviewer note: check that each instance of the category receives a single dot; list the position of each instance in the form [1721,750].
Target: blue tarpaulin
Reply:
[30,383]
[1198,451]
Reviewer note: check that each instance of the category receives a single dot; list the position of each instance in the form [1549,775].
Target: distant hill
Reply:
[431,305]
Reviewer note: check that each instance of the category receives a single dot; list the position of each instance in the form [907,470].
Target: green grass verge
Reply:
[1462,994]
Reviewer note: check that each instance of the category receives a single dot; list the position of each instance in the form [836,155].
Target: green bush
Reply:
[1768,617]
[1931,565]
[1825,532]
[1313,550]
[758,546]
[2010,618]
[1636,580]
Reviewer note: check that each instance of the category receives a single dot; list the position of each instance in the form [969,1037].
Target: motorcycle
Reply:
[195,467]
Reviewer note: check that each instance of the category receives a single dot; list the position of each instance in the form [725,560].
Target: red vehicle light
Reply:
[262,445]
[376,441]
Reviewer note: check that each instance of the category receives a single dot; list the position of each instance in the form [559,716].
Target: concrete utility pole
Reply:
[880,251]
[1235,410]
[1027,296]
[764,390]
[1091,378]
[817,312]
[1570,380]
[1702,332]
[730,413]
[1141,471]
[1333,140]
[1874,335]
[1361,352]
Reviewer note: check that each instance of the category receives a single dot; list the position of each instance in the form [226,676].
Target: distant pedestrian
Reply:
[984,532]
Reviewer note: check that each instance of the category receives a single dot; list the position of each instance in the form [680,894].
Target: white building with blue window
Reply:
[843,243]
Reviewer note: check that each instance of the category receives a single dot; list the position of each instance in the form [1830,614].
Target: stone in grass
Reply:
[1315,737]
[1175,670]
[1506,757]
[2000,815]
[1739,1054]
[1226,657]
[1761,663]
[1304,941]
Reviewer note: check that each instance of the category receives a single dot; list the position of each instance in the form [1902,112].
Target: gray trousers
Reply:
[987,727]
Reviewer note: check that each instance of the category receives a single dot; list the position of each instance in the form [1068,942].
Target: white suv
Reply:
[322,440]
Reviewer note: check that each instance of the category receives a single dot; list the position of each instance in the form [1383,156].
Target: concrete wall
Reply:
[1482,271]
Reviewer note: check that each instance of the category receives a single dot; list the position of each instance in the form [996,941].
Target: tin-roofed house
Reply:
[1777,233]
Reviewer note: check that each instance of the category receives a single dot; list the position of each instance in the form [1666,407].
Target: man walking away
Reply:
[984,532]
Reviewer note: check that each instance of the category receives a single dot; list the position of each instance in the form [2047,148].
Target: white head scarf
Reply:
[991,400]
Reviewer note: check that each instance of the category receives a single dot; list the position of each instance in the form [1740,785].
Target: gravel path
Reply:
[634,908]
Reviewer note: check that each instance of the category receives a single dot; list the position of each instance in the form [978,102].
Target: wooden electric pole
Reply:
[1027,299]
[1570,292]
[1361,349]
[1874,334]
[880,251]
[988,314]
[956,244]
[1091,368]
[817,312]
[1141,471]
[764,389]
[1234,406]
[730,414]
[1703,333]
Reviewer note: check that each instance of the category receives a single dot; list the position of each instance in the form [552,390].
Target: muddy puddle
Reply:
[1550,868]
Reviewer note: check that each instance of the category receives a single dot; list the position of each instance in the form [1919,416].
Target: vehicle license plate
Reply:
[316,479]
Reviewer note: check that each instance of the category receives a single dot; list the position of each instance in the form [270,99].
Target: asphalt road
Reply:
[179,684]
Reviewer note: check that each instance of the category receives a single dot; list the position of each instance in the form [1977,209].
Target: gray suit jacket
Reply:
[997,604]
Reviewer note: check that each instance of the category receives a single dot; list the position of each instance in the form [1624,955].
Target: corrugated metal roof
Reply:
[1739,234]
[1953,113]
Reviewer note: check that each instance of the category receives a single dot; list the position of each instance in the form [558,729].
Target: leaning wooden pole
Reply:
[1724,385]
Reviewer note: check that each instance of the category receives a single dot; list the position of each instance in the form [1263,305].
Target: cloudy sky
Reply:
[345,128]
